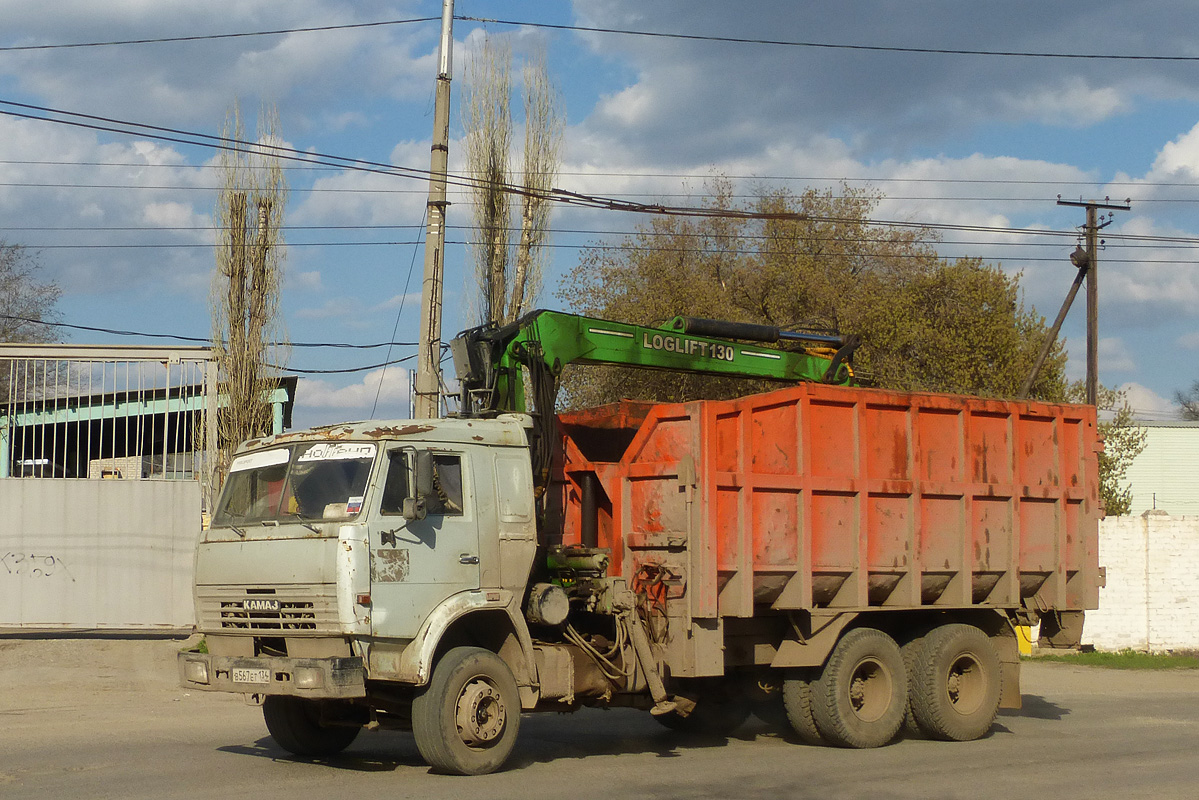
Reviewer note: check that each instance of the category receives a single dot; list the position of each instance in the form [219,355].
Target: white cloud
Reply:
[1148,404]
[307,281]
[390,385]
[1114,356]
[1189,341]
[398,301]
[1179,157]
[1072,102]
[332,308]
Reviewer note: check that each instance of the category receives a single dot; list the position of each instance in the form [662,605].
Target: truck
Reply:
[847,562]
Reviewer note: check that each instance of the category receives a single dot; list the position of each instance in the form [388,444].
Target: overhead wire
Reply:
[744,40]
[196,339]
[200,37]
[555,195]
[955,51]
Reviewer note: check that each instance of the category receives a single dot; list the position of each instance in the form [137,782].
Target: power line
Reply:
[1176,242]
[196,339]
[642,174]
[612,31]
[555,195]
[829,45]
[657,195]
[215,36]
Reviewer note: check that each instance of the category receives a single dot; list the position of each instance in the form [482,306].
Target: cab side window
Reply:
[447,499]
[395,487]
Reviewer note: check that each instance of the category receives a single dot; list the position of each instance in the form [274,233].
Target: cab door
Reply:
[416,564]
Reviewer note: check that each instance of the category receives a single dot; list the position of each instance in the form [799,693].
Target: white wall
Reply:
[84,555]
[1151,601]
[1165,476]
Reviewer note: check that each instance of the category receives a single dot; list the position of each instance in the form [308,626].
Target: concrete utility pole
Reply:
[427,384]
[1091,229]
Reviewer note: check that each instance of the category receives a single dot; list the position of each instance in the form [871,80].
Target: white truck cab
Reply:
[329,569]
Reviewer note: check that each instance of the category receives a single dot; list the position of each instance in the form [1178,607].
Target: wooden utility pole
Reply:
[427,383]
[1091,229]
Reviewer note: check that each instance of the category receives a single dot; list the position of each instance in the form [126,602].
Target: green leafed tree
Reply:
[1123,441]
[814,261]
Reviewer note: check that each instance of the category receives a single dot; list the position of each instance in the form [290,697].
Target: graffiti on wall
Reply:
[32,565]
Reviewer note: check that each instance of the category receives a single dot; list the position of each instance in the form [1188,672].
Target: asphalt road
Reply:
[99,719]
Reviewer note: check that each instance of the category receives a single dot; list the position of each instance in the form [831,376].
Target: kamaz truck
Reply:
[845,561]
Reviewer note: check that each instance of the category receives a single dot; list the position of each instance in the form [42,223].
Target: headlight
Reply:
[196,671]
[308,678]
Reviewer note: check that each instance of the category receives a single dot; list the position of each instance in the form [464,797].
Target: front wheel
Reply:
[295,725]
[466,720]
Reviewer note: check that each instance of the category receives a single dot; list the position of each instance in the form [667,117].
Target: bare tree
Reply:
[1189,400]
[543,152]
[26,304]
[509,277]
[247,335]
[25,300]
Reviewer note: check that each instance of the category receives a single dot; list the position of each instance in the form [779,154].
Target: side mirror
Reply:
[422,486]
[414,508]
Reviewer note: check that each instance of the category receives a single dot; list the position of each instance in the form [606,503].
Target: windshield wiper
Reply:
[300,520]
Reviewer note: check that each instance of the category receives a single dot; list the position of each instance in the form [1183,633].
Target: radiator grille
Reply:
[308,609]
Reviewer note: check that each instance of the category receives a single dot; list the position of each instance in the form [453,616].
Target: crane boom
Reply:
[488,359]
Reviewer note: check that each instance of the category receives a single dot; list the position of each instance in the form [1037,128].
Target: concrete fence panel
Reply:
[97,555]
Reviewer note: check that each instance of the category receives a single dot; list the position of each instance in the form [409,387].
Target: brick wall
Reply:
[1151,601]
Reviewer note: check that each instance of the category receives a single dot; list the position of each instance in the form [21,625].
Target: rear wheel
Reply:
[295,725]
[911,656]
[797,699]
[860,696]
[956,685]
[466,720]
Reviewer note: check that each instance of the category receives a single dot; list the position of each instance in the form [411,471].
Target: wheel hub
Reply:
[965,684]
[870,690]
[480,713]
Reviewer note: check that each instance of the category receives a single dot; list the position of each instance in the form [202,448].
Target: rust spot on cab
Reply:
[397,430]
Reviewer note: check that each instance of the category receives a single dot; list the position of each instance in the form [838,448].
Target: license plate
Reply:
[243,675]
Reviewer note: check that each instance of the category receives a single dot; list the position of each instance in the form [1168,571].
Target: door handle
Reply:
[467,558]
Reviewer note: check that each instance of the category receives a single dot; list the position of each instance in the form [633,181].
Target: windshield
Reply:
[321,481]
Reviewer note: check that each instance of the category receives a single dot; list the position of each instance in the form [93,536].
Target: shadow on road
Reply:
[1036,707]
[369,753]
[543,738]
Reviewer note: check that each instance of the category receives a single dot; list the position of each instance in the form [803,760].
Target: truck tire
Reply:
[911,655]
[797,700]
[859,699]
[295,725]
[956,686]
[466,719]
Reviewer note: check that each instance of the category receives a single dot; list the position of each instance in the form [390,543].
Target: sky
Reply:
[824,94]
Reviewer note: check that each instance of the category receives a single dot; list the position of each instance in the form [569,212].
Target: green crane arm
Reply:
[488,359]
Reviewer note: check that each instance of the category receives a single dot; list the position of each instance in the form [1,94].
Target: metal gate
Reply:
[107,459]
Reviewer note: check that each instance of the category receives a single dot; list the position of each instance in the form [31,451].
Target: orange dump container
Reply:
[824,497]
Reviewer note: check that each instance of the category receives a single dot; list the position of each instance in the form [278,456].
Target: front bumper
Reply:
[300,677]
